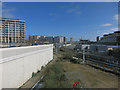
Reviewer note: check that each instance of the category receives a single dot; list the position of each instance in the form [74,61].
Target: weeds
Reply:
[55,77]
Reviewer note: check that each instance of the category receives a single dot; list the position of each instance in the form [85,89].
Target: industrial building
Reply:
[112,37]
[12,31]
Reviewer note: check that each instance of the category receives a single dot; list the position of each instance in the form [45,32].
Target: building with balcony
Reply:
[12,31]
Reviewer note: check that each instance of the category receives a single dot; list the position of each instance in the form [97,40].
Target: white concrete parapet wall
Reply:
[17,64]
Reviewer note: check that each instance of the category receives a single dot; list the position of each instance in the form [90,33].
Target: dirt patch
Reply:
[89,76]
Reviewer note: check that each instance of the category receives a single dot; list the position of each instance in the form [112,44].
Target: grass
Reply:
[55,73]
[89,77]
[67,55]
[55,77]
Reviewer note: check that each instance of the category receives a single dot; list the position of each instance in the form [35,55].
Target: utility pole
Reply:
[83,55]
[56,46]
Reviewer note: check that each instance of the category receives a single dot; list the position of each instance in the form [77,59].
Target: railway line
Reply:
[105,63]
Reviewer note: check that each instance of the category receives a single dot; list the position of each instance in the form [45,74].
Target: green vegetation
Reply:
[64,71]
[42,67]
[55,77]
[4,47]
[114,52]
[77,61]
[67,55]
[33,74]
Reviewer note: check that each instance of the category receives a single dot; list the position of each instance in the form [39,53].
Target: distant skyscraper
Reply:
[97,39]
[71,39]
[12,31]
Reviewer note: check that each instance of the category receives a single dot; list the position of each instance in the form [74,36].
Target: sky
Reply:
[85,20]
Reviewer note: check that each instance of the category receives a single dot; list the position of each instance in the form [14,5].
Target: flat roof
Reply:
[105,35]
[117,32]
[9,19]
[110,34]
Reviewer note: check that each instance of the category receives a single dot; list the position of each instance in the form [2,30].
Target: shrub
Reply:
[67,56]
[77,61]
[42,67]
[33,74]
[55,77]
[62,49]
[38,71]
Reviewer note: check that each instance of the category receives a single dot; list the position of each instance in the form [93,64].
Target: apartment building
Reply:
[12,31]
[49,39]
[59,39]
[35,37]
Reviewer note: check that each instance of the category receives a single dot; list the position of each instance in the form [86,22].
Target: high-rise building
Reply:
[12,31]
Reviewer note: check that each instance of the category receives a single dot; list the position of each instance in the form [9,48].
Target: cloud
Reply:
[104,33]
[116,17]
[105,25]
[78,12]
[70,10]
[52,14]
[111,30]
[7,12]
[114,29]
[75,10]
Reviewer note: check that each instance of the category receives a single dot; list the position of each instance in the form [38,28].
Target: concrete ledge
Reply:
[9,52]
[22,55]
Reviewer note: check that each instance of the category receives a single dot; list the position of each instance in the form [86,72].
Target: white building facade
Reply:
[12,31]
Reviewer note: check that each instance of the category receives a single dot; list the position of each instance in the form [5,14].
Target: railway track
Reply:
[115,68]
[36,85]
[103,62]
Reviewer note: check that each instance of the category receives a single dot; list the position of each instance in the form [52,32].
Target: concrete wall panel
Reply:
[0,75]
[16,69]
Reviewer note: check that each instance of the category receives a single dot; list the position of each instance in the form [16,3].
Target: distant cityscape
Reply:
[70,51]
[13,32]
